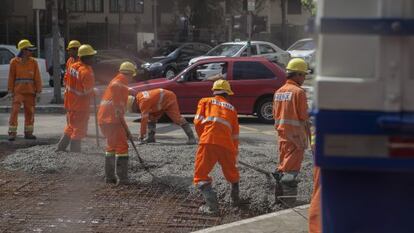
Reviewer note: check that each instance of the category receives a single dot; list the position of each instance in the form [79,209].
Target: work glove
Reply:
[37,95]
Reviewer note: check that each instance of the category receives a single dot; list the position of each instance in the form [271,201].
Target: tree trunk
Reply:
[284,24]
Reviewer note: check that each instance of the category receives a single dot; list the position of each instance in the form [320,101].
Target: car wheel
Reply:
[265,110]
[170,73]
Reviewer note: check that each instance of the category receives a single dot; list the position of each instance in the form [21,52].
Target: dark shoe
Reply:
[75,146]
[110,169]
[235,190]
[12,137]
[151,132]
[210,197]
[29,136]
[63,143]
[121,170]
[189,132]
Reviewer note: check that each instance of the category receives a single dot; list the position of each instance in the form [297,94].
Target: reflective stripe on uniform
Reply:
[109,154]
[28,128]
[74,73]
[12,129]
[198,117]
[106,102]
[122,155]
[24,80]
[79,93]
[289,122]
[222,104]
[161,99]
[217,119]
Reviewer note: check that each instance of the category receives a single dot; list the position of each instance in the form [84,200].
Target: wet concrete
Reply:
[172,163]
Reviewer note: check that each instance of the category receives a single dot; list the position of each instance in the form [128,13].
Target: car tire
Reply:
[265,110]
[170,73]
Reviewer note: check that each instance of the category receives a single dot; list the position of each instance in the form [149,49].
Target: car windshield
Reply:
[165,51]
[227,50]
[303,45]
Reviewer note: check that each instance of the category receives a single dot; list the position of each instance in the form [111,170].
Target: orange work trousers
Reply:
[28,101]
[77,124]
[315,206]
[290,155]
[172,111]
[207,156]
[116,138]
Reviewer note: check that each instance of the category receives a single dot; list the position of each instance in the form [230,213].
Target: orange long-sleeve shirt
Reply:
[79,87]
[153,101]
[24,77]
[216,123]
[115,98]
[69,63]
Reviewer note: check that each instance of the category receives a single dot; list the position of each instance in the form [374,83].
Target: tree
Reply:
[310,6]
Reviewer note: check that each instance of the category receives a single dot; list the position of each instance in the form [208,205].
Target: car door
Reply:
[249,80]
[253,51]
[5,57]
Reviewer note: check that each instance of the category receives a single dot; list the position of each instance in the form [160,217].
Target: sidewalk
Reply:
[285,221]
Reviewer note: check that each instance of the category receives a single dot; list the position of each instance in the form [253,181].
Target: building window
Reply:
[85,5]
[294,7]
[130,6]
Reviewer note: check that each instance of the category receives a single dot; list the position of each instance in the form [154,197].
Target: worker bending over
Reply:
[153,104]
[112,122]
[24,87]
[291,122]
[217,127]
[80,81]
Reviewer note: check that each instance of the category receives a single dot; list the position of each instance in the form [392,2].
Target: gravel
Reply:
[172,164]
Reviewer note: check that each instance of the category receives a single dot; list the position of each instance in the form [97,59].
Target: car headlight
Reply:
[155,65]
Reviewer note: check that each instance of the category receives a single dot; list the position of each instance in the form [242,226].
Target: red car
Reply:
[253,81]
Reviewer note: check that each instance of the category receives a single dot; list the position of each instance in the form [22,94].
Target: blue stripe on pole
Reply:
[383,26]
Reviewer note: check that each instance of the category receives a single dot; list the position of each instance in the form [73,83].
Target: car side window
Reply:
[253,51]
[247,70]
[187,52]
[5,56]
[266,49]
[206,71]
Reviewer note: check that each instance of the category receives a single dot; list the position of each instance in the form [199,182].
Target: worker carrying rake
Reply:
[80,81]
[112,122]
[290,111]
[217,127]
[153,104]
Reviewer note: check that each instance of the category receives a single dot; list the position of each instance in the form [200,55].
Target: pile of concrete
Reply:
[172,162]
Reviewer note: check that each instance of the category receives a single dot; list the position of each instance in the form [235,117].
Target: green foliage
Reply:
[310,6]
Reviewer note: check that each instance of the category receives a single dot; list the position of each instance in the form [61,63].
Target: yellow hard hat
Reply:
[297,65]
[86,50]
[73,44]
[131,104]
[128,67]
[222,85]
[24,44]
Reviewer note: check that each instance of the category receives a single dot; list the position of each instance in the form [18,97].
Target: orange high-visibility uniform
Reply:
[290,111]
[24,82]
[111,113]
[217,126]
[315,206]
[154,103]
[79,88]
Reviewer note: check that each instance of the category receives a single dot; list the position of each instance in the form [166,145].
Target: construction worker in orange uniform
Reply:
[315,221]
[111,122]
[290,112]
[79,88]
[217,127]
[24,87]
[153,104]
[72,49]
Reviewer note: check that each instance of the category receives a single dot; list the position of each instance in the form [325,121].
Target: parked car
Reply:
[253,80]
[7,52]
[169,60]
[305,49]
[239,49]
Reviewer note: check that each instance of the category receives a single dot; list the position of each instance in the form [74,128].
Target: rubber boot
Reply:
[210,197]
[110,168]
[151,132]
[29,135]
[75,146]
[12,136]
[235,190]
[289,185]
[63,143]
[189,132]
[121,170]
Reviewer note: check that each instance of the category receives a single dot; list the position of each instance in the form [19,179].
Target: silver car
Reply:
[305,49]
[7,52]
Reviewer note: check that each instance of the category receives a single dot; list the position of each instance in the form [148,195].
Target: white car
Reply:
[305,49]
[239,49]
[7,52]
